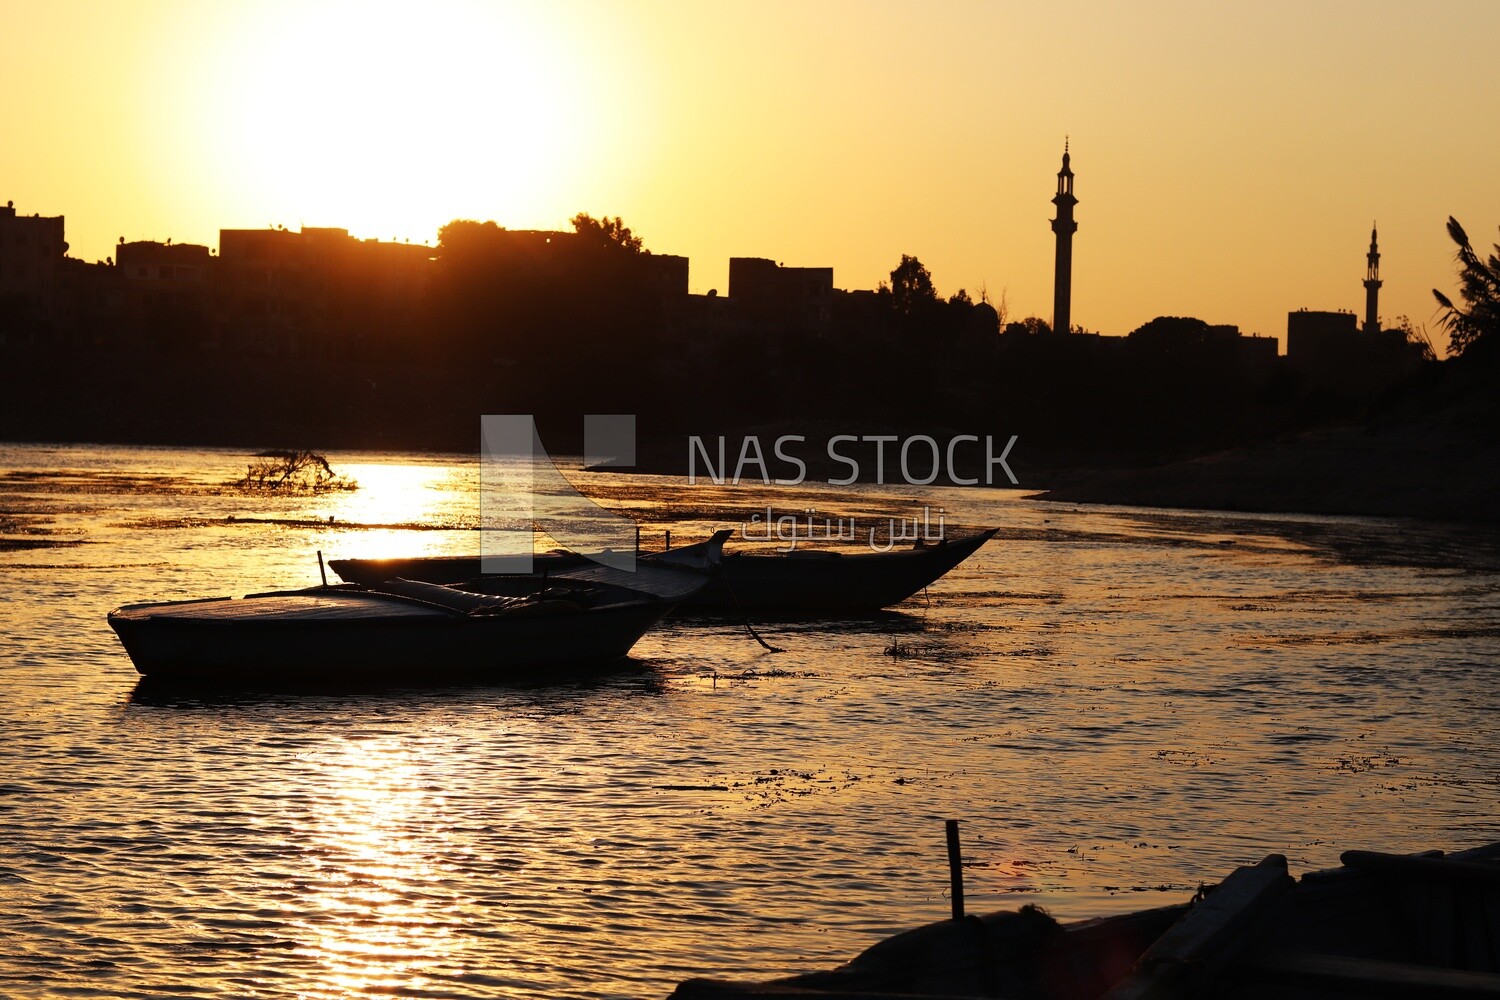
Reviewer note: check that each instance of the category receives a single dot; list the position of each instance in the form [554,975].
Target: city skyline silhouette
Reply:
[837,136]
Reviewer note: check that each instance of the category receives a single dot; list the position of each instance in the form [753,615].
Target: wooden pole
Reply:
[955,870]
[321,571]
[669,538]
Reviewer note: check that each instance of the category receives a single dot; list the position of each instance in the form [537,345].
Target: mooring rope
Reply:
[744,618]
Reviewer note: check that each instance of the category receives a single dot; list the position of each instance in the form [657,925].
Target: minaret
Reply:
[1372,286]
[1064,227]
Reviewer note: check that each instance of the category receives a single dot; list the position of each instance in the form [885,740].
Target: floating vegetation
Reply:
[1358,765]
[905,649]
[1329,638]
[293,471]
[26,524]
[780,785]
[74,567]
[328,523]
[1184,758]
[35,531]
[751,674]
[24,544]
[81,482]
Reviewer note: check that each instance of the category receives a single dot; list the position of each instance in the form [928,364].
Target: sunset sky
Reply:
[1229,162]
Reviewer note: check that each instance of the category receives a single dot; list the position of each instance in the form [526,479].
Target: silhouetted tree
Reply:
[467,238]
[1028,327]
[607,232]
[911,286]
[1002,308]
[1417,337]
[1479,287]
[1172,331]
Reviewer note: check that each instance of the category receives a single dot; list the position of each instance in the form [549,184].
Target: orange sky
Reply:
[1229,164]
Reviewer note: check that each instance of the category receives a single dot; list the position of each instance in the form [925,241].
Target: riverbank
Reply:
[1407,472]
[1421,450]
[1431,469]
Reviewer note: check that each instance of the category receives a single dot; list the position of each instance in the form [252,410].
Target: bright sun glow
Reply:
[391,119]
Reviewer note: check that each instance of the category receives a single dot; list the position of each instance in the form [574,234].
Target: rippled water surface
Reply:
[1117,703]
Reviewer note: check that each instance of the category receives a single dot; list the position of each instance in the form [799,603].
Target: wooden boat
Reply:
[403,629]
[458,570]
[1384,925]
[354,633]
[827,580]
[803,581]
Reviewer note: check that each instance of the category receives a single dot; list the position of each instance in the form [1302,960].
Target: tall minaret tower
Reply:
[1064,227]
[1372,286]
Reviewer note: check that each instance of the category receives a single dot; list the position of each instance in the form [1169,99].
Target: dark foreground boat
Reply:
[1383,925]
[405,630]
[351,633]
[826,580]
[803,581]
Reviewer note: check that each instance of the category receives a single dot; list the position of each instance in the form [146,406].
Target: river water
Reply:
[1116,703]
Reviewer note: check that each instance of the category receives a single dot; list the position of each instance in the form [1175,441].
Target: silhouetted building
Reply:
[543,253]
[318,291]
[361,296]
[537,251]
[166,293]
[1256,353]
[569,254]
[775,299]
[92,305]
[1215,350]
[31,260]
[262,291]
[862,315]
[666,277]
[1064,227]
[1318,342]
[707,320]
[1331,351]
[666,274]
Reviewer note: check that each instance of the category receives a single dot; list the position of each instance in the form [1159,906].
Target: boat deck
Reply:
[327,605]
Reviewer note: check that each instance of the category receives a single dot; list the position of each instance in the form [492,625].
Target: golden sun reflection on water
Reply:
[391,500]
[395,494]
[375,843]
